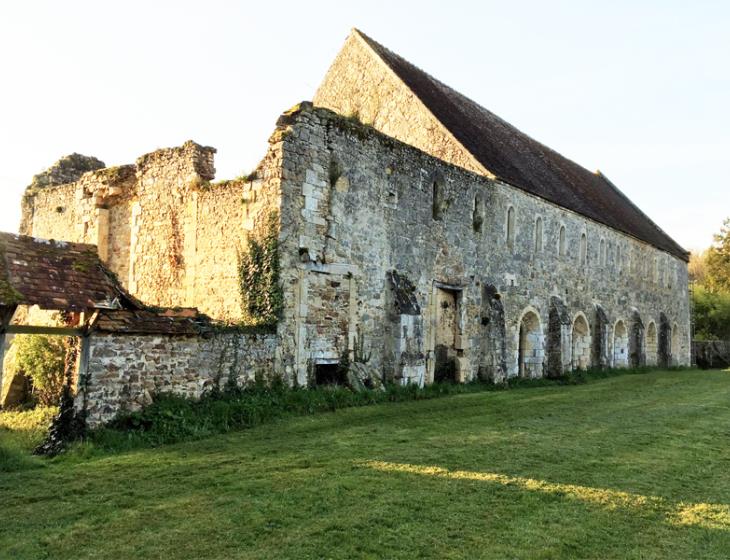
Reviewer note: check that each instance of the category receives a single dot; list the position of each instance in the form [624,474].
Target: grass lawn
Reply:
[633,466]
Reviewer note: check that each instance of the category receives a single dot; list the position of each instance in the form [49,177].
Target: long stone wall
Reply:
[125,371]
[357,205]
[387,254]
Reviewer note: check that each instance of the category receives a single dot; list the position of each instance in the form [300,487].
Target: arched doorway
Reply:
[493,363]
[651,345]
[581,343]
[530,352]
[664,354]
[675,350]
[637,354]
[620,345]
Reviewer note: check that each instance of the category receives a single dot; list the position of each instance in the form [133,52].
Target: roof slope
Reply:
[517,159]
[56,275]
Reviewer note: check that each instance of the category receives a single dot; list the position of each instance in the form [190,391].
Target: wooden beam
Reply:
[32,329]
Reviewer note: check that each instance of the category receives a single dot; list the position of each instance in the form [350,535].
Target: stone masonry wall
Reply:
[170,235]
[125,371]
[360,84]
[357,205]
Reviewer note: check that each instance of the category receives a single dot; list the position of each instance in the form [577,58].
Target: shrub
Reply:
[712,314]
[40,358]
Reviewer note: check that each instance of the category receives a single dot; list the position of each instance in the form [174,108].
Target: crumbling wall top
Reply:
[68,169]
[198,159]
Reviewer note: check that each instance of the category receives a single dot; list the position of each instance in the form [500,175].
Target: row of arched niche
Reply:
[573,342]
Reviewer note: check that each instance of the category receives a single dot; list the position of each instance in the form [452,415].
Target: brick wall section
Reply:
[126,370]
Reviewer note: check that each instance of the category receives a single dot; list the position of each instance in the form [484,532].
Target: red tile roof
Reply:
[142,321]
[56,275]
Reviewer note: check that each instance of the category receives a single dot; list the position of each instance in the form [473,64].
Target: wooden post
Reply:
[6,315]
[83,368]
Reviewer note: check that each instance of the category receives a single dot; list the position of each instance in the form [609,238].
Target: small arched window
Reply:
[602,253]
[618,257]
[477,215]
[438,208]
[561,241]
[538,234]
[583,248]
[510,226]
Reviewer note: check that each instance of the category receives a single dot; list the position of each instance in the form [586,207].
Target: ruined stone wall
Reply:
[357,205]
[360,84]
[170,235]
[162,216]
[125,371]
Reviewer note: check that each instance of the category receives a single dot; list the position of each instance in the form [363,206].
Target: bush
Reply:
[41,359]
[712,314]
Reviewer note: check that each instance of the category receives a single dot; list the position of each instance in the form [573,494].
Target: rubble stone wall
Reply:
[358,204]
[169,233]
[126,371]
[360,84]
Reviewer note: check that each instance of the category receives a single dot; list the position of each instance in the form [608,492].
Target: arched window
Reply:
[602,253]
[478,215]
[510,226]
[561,241]
[618,258]
[438,203]
[538,234]
[583,248]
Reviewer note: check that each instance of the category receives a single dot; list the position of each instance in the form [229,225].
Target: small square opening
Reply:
[329,374]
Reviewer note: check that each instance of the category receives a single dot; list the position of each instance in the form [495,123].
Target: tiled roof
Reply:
[515,158]
[56,275]
[168,322]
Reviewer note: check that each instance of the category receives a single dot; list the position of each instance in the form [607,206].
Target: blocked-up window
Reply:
[510,226]
[478,215]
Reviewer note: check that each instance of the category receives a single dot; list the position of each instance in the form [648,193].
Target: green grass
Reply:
[632,466]
[20,432]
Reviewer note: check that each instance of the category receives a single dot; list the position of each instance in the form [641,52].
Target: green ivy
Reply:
[258,272]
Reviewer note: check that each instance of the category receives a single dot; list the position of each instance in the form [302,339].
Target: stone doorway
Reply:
[664,352]
[530,353]
[637,355]
[447,329]
[651,345]
[581,344]
[620,345]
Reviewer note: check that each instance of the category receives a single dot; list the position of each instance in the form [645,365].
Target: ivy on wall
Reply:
[259,272]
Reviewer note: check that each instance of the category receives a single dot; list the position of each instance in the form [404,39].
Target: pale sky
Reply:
[639,90]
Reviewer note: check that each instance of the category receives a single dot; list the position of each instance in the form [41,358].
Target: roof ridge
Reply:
[520,160]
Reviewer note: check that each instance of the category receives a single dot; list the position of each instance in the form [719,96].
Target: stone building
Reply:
[412,229]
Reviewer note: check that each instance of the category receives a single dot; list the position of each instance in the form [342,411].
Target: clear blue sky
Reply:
[639,90]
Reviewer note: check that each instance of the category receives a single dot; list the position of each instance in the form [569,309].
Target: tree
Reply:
[697,267]
[712,314]
[717,261]
[40,358]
